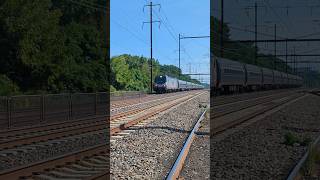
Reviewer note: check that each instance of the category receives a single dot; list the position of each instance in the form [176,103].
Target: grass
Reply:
[309,165]
[291,139]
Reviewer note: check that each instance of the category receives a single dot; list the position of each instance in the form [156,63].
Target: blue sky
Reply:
[188,17]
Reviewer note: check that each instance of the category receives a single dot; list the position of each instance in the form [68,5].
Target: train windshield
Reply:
[160,79]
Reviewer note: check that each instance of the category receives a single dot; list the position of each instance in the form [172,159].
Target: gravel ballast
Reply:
[150,151]
[27,154]
[258,151]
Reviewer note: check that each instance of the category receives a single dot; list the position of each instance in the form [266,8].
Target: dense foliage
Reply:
[51,46]
[54,46]
[133,72]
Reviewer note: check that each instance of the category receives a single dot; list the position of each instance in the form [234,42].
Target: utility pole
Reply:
[221,29]
[255,33]
[294,60]
[190,37]
[179,54]
[287,57]
[275,47]
[187,37]
[151,22]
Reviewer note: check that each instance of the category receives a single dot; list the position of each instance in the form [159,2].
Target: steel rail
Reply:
[148,115]
[70,131]
[251,103]
[152,100]
[178,165]
[36,134]
[268,107]
[29,169]
[295,171]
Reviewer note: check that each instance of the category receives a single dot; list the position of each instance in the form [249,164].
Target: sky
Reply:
[128,35]
[294,19]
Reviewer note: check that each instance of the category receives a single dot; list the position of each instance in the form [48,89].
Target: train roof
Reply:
[225,61]
[179,80]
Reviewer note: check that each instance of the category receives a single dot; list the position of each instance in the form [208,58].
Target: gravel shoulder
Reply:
[150,151]
[258,151]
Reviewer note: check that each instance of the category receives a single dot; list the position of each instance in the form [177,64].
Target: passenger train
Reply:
[164,83]
[232,76]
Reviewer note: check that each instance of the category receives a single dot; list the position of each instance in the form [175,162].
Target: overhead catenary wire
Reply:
[166,24]
[279,17]
[89,5]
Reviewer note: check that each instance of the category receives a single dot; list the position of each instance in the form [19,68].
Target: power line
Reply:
[91,6]
[167,28]
[268,4]
[128,30]
[133,34]
[166,23]
[246,30]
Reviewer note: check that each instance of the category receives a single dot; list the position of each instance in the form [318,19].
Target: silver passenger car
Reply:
[267,77]
[228,73]
[277,78]
[254,75]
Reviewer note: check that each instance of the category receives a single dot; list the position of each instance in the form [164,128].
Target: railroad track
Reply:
[88,163]
[139,119]
[261,105]
[221,100]
[66,165]
[227,119]
[127,102]
[141,105]
[23,136]
[174,173]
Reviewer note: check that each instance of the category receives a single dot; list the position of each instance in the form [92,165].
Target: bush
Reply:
[112,89]
[290,139]
[7,87]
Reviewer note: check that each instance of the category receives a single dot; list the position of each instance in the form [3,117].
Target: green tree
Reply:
[7,86]
[53,46]
[133,72]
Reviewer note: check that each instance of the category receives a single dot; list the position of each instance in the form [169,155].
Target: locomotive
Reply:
[232,76]
[165,83]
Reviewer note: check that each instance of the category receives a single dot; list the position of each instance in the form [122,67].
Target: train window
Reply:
[231,71]
[254,74]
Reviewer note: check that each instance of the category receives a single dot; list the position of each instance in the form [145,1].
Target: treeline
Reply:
[132,73]
[52,46]
[243,52]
